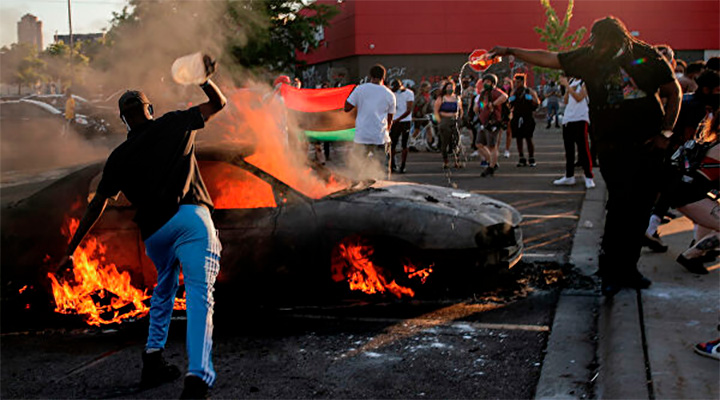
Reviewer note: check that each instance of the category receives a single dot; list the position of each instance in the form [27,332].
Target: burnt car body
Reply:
[289,244]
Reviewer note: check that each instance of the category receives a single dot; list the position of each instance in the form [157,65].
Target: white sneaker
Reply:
[506,154]
[564,181]
[589,183]
[474,154]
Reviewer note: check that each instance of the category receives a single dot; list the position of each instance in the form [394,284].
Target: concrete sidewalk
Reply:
[638,344]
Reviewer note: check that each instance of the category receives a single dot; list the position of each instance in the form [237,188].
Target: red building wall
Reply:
[383,27]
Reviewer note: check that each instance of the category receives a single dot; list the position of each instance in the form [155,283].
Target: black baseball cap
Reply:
[131,99]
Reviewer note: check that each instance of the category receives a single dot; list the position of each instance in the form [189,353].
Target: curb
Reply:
[571,349]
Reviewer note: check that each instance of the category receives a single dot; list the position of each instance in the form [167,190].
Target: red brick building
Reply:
[428,39]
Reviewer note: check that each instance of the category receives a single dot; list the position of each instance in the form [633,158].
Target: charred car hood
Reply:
[452,202]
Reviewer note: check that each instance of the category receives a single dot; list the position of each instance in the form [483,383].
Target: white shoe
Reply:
[474,154]
[589,183]
[506,154]
[564,181]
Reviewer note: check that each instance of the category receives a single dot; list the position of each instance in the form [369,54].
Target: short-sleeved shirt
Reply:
[373,102]
[156,169]
[401,99]
[481,101]
[552,94]
[624,106]
[70,109]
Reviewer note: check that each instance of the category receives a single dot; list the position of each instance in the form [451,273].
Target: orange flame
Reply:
[100,293]
[263,121]
[352,262]
[22,289]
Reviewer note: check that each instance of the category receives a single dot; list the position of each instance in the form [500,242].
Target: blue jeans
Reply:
[552,111]
[188,239]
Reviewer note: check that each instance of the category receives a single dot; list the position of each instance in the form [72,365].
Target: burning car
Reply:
[375,236]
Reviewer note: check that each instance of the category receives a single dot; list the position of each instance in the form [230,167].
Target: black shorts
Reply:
[522,127]
[399,129]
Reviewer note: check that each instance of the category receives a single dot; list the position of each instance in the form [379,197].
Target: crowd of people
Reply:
[652,157]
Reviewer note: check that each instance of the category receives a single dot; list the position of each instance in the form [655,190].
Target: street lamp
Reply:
[71,42]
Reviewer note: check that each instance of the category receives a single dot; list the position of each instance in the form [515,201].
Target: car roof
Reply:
[36,103]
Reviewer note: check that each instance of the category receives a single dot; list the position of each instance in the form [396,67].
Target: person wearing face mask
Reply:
[507,87]
[488,108]
[156,170]
[523,102]
[623,77]
[400,130]
[448,109]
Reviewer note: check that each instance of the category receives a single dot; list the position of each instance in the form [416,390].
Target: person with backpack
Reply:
[523,102]
[488,108]
[575,132]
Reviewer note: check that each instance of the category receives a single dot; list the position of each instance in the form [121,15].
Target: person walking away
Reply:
[69,112]
[488,107]
[552,95]
[156,170]
[575,132]
[400,130]
[507,87]
[523,102]
[623,77]
[447,110]
[375,108]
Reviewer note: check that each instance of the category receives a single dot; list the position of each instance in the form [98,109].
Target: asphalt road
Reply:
[484,344]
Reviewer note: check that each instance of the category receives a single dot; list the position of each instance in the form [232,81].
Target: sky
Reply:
[88,16]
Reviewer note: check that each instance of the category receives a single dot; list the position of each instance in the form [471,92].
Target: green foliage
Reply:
[21,65]
[58,65]
[556,33]
[258,34]
[284,27]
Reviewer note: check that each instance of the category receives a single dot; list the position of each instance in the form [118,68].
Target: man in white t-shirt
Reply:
[400,130]
[375,108]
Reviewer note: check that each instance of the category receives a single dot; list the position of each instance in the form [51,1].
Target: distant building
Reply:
[29,30]
[79,37]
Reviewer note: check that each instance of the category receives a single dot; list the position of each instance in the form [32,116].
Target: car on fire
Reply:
[275,237]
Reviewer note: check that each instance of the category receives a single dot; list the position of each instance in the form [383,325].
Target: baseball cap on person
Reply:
[131,99]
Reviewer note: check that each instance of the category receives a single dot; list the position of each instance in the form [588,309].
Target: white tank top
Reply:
[576,111]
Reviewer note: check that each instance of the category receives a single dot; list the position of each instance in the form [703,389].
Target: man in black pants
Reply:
[400,130]
[623,76]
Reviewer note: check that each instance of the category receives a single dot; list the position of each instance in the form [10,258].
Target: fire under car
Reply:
[378,237]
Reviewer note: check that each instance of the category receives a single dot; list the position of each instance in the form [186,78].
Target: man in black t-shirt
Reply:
[623,77]
[156,170]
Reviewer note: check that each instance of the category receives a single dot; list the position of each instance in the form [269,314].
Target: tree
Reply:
[286,27]
[253,33]
[57,59]
[22,66]
[556,33]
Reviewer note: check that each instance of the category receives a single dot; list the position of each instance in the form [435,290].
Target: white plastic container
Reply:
[189,70]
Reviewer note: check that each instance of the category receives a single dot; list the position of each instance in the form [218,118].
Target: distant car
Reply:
[91,120]
[275,237]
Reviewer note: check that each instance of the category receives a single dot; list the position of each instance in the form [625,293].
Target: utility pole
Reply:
[72,73]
